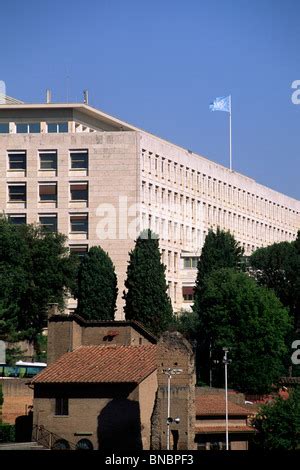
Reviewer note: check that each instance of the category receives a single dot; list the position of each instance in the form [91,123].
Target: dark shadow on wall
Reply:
[119,426]
[23,426]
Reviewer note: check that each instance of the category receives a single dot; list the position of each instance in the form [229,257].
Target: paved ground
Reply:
[21,446]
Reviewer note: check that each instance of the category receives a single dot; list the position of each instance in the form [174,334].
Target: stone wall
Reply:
[17,398]
[175,352]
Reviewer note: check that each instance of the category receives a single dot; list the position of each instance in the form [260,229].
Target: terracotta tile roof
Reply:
[214,405]
[199,428]
[101,364]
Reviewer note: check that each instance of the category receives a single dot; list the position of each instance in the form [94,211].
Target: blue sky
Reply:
[158,64]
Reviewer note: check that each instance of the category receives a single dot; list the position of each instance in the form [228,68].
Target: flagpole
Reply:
[230,141]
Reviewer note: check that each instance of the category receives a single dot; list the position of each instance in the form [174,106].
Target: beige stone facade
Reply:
[100,181]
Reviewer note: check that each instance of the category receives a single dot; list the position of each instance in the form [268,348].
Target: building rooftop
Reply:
[208,429]
[101,364]
[214,405]
[114,324]
[105,122]
[8,100]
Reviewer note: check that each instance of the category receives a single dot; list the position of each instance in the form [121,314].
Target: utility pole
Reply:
[226,362]
[170,372]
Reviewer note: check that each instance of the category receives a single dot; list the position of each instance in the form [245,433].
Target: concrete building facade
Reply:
[101,181]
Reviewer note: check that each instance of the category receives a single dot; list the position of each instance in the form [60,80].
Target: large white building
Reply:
[100,181]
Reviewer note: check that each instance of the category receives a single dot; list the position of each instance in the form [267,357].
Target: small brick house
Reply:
[102,394]
[105,386]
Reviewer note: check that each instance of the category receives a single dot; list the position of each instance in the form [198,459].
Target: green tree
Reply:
[97,286]
[35,270]
[278,267]
[235,312]
[187,323]
[278,424]
[220,250]
[146,299]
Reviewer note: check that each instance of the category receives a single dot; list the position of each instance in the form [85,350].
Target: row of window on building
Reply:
[78,222]
[32,127]
[47,192]
[199,183]
[17,160]
[169,230]
[245,226]
[241,227]
[38,127]
[171,201]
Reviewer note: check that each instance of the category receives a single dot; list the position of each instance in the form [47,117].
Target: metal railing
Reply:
[50,440]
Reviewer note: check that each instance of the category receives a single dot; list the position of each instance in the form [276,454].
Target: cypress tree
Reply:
[146,299]
[97,286]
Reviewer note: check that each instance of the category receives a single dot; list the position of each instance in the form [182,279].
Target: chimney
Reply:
[48,96]
[86,96]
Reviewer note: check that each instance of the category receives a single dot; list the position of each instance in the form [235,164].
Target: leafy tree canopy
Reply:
[220,250]
[278,267]
[278,424]
[235,312]
[35,270]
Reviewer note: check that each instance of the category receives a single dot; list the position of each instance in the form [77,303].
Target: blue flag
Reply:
[223,103]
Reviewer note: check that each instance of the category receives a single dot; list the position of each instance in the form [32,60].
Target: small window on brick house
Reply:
[61,406]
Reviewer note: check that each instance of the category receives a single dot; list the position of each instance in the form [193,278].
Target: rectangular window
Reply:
[190,262]
[17,192]
[17,160]
[61,406]
[4,128]
[48,192]
[28,128]
[49,222]
[48,160]
[79,191]
[17,219]
[79,159]
[79,250]
[57,127]
[79,223]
